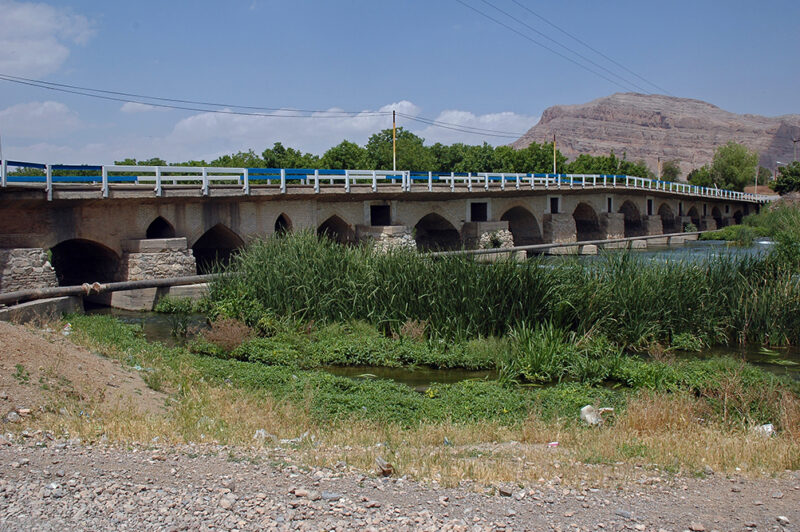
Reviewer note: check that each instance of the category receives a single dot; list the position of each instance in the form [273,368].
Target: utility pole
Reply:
[394,142]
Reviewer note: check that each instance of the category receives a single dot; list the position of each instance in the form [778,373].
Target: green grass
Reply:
[734,391]
[634,303]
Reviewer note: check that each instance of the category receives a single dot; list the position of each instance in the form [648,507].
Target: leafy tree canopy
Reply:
[734,166]
[788,179]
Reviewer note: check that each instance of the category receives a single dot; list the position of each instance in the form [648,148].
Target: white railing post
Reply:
[283,180]
[49,182]
[158,181]
[627,180]
[374,181]
[452,181]
[316,181]
[532,180]
[517,185]
[104,173]
[605,180]
[3,172]
[205,181]
[347,180]
[246,188]
[469,183]
[430,181]
[571,180]
[486,181]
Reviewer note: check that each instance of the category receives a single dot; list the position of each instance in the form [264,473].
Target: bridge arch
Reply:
[632,219]
[523,226]
[337,230]
[77,261]
[283,224]
[717,215]
[587,224]
[216,246]
[668,219]
[160,228]
[695,216]
[433,231]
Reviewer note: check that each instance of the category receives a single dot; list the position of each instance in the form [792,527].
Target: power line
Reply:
[462,126]
[595,50]
[85,91]
[458,128]
[601,67]
[155,101]
[528,37]
[195,102]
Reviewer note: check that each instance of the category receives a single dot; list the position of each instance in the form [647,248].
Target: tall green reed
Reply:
[633,302]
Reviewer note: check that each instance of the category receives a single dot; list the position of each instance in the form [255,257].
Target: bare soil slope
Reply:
[41,368]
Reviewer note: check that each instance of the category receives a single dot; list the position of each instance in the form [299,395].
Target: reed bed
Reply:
[635,303]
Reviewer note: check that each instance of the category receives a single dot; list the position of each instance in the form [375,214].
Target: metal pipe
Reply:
[12,298]
[533,247]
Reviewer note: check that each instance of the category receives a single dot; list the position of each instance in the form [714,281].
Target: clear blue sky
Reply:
[435,59]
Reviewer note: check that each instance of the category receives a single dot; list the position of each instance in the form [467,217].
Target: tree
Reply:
[280,157]
[242,159]
[788,179]
[734,166]
[670,170]
[700,177]
[764,175]
[345,155]
[411,152]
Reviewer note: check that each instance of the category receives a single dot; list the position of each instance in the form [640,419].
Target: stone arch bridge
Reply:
[169,221]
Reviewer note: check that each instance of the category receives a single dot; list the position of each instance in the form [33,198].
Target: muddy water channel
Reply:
[158,328]
[784,361]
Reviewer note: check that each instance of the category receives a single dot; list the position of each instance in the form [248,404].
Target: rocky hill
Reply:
[647,127]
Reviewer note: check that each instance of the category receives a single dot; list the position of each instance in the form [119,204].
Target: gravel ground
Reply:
[56,485]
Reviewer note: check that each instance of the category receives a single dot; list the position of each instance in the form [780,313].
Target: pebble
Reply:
[99,488]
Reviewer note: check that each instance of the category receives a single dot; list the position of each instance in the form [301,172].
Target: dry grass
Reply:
[656,436]
[228,333]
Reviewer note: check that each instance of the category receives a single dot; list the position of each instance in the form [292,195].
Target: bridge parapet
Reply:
[105,178]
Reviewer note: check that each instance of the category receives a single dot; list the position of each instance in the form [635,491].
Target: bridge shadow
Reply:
[434,232]
[215,248]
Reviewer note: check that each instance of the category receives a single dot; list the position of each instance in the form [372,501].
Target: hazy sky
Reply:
[432,59]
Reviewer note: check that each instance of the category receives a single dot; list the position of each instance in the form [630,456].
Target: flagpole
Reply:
[394,142]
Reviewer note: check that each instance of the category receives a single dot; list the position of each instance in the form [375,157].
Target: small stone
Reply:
[783,520]
[301,492]
[736,489]
[505,491]
[24,411]
[13,417]
[331,496]
[225,503]
[373,504]
[777,495]
[697,527]
[229,483]
[640,527]
[623,513]
[758,503]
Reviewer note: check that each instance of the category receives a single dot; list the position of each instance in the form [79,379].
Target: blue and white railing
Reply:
[209,177]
